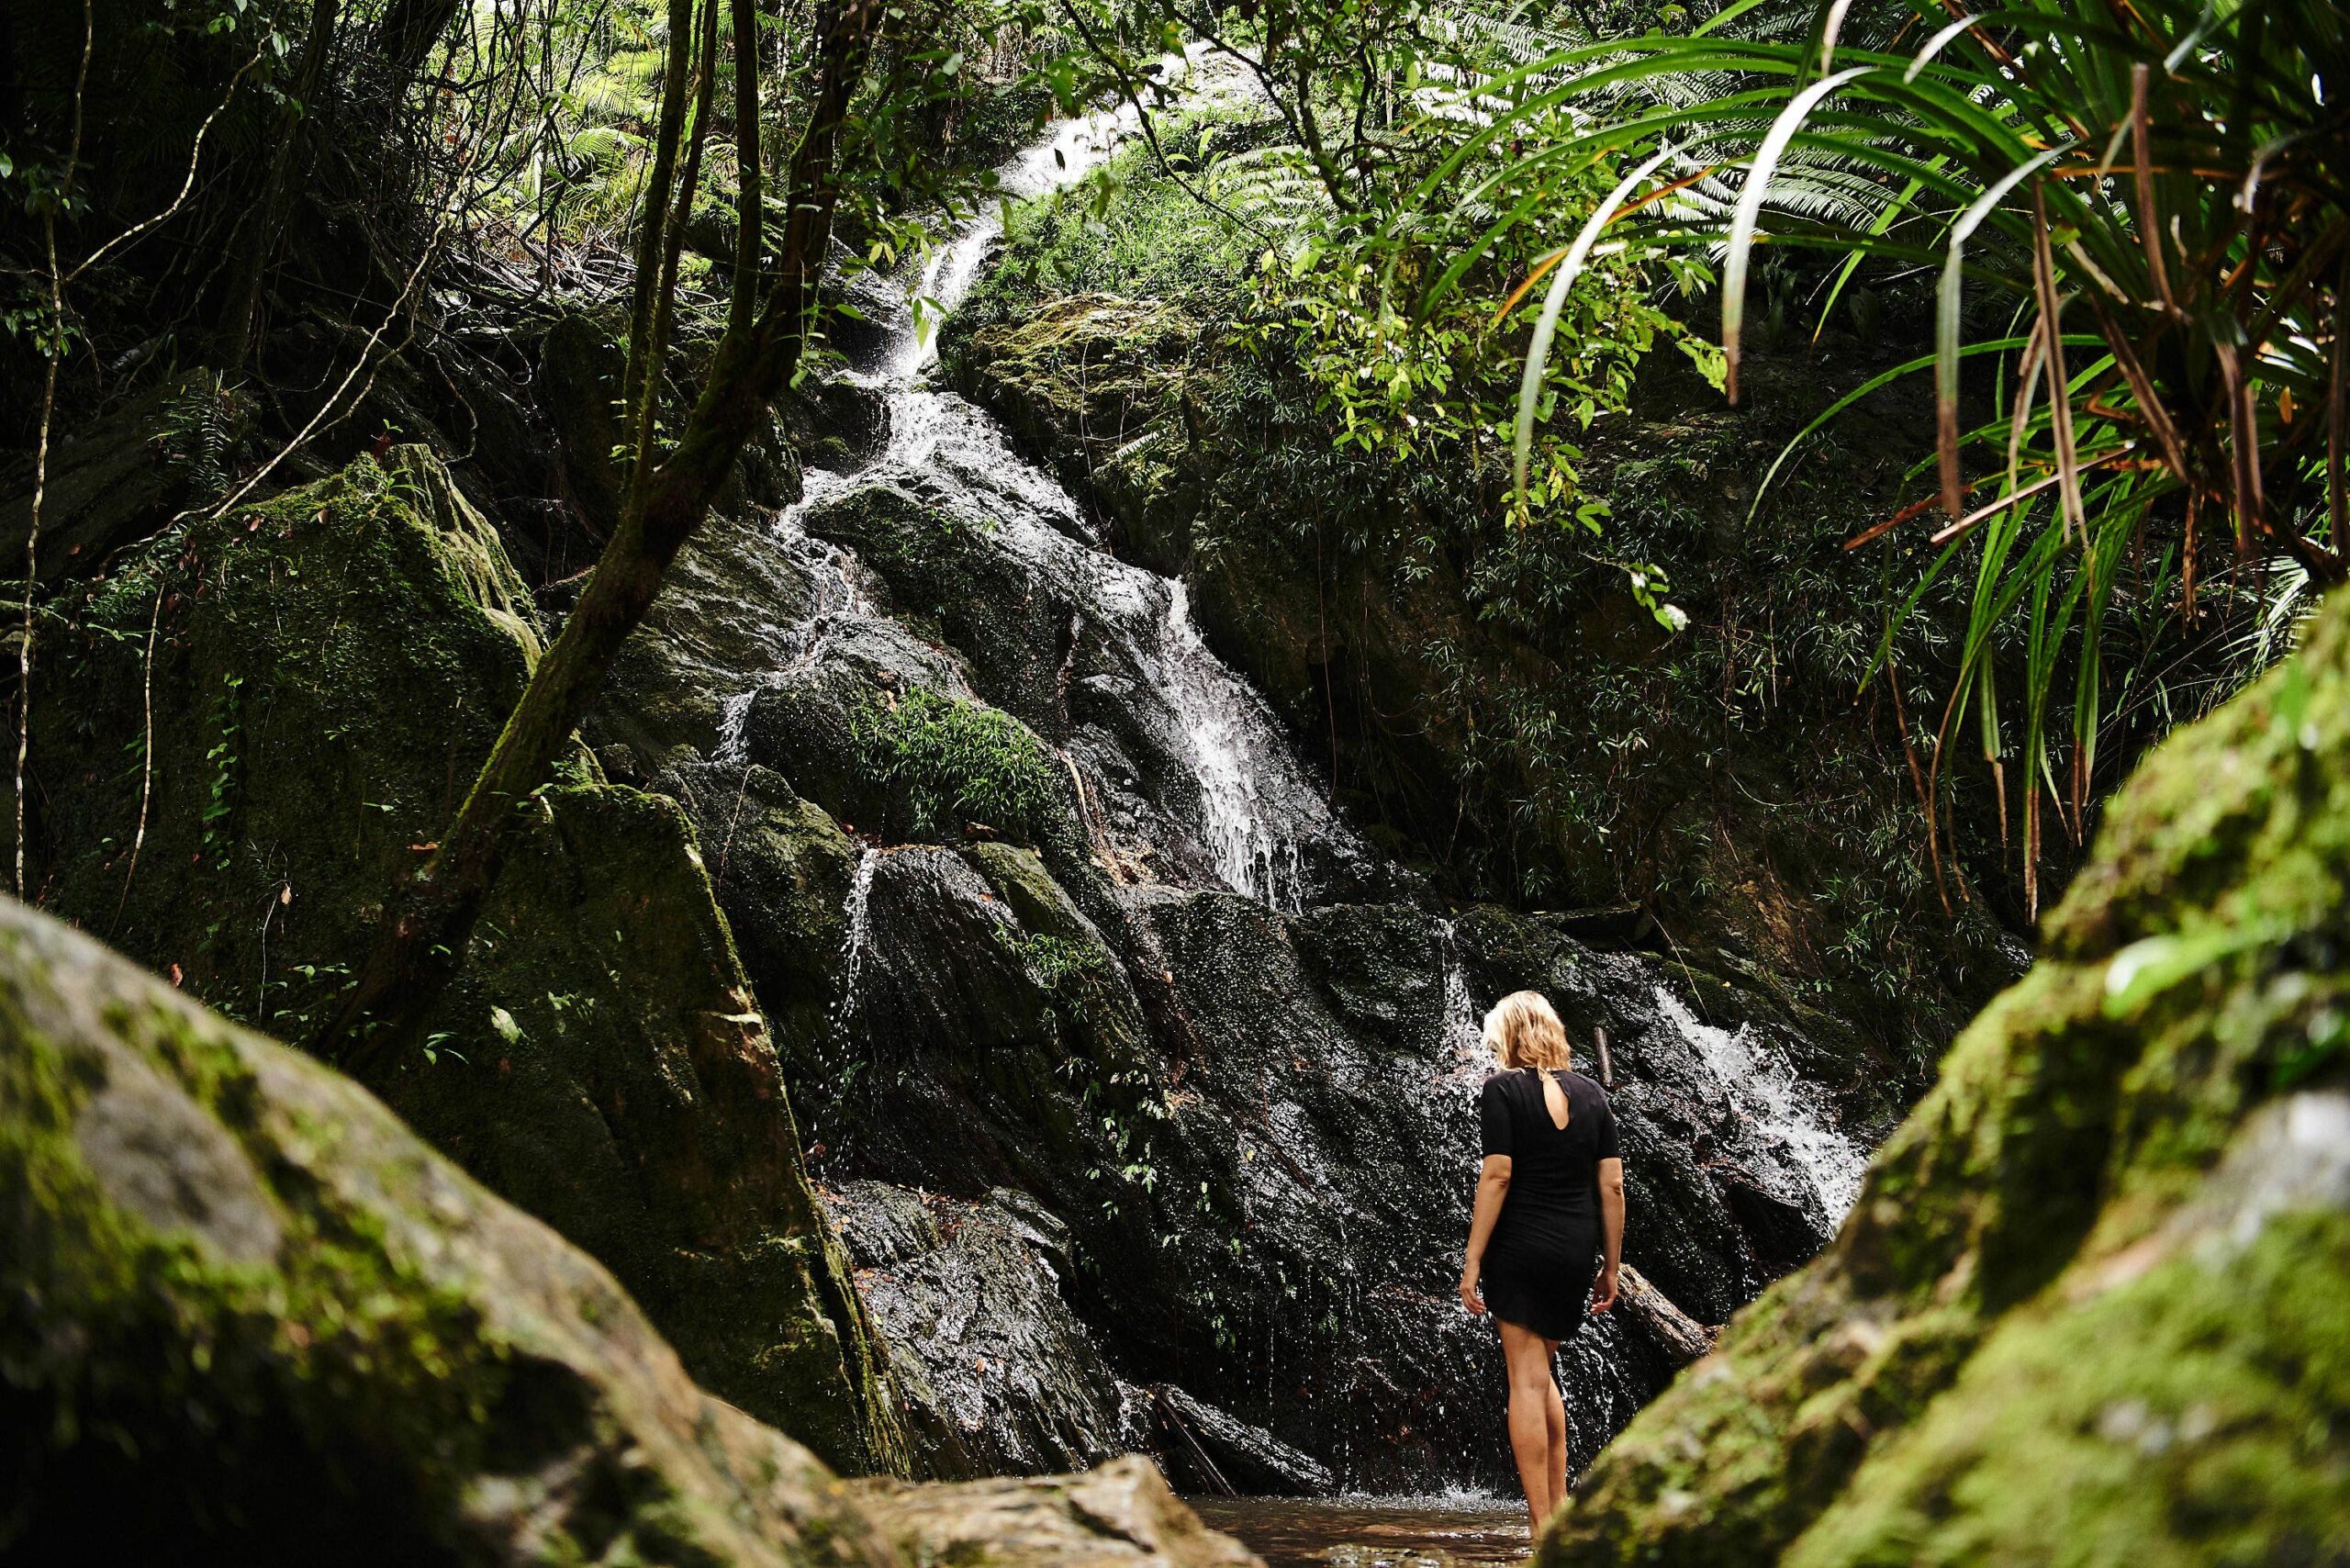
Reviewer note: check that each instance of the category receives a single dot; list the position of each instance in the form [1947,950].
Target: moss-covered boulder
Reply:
[256,725]
[2091,1305]
[246,1315]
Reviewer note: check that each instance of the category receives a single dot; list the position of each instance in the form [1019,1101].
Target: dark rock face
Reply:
[2092,1300]
[112,481]
[998,1376]
[330,669]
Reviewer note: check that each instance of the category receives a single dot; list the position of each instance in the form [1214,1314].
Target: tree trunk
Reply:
[640,380]
[428,921]
[404,39]
[749,227]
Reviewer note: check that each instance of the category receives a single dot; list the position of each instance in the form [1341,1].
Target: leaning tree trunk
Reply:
[427,924]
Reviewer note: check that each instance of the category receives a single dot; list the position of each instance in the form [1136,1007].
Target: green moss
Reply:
[245,1314]
[120,1329]
[2191,1417]
[1944,1385]
[953,762]
[330,669]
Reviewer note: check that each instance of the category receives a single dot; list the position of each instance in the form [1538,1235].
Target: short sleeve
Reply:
[1607,1148]
[1493,1118]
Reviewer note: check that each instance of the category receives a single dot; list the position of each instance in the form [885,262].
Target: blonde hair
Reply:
[1524,1031]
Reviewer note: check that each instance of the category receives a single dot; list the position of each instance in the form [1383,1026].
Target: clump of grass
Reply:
[952,762]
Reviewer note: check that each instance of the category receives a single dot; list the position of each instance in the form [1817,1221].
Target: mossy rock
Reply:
[2058,1323]
[250,1317]
[1088,381]
[328,670]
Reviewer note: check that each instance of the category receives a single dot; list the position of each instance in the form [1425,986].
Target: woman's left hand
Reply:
[1469,1296]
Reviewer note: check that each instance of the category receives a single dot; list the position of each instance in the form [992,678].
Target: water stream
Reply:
[1184,764]
[1245,803]
[1780,1104]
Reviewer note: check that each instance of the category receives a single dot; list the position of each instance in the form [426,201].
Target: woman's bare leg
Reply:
[1555,1413]
[1538,1421]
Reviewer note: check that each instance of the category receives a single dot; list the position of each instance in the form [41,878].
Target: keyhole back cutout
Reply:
[1554,1101]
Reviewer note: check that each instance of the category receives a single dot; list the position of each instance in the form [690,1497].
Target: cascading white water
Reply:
[1075,148]
[1254,805]
[1763,1089]
[1461,1048]
[856,920]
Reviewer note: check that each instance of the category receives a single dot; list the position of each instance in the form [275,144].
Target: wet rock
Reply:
[1136,354]
[1185,775]
[252,1317]
[838,421]
[781,868]
[2097,1275]
[1212,1452]
[869,308]
[1120,1516]
[997,1375]
[709,636]
[331,668]
[998,610]
[963,1015]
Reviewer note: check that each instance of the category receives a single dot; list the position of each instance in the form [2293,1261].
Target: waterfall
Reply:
[1769,1094]
[1185,775]
[1461,1048]
[842,1063]
[1245,800]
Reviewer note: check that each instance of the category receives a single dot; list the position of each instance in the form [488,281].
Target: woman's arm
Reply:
[1493,1186]
[1611,1231]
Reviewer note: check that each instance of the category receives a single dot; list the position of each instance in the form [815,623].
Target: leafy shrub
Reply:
[952,762]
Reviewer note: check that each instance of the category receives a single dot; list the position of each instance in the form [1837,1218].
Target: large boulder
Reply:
[2092,1301]
[255,726]
[246,1315]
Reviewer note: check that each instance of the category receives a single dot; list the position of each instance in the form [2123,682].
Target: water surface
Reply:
[1372,1532]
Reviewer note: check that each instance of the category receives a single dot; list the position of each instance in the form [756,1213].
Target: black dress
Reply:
[1545,1248]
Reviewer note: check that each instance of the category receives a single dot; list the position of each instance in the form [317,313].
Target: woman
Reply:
[1550,1203]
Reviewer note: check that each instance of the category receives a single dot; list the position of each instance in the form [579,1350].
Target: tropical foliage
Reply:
[2158,188]
[2134,216]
